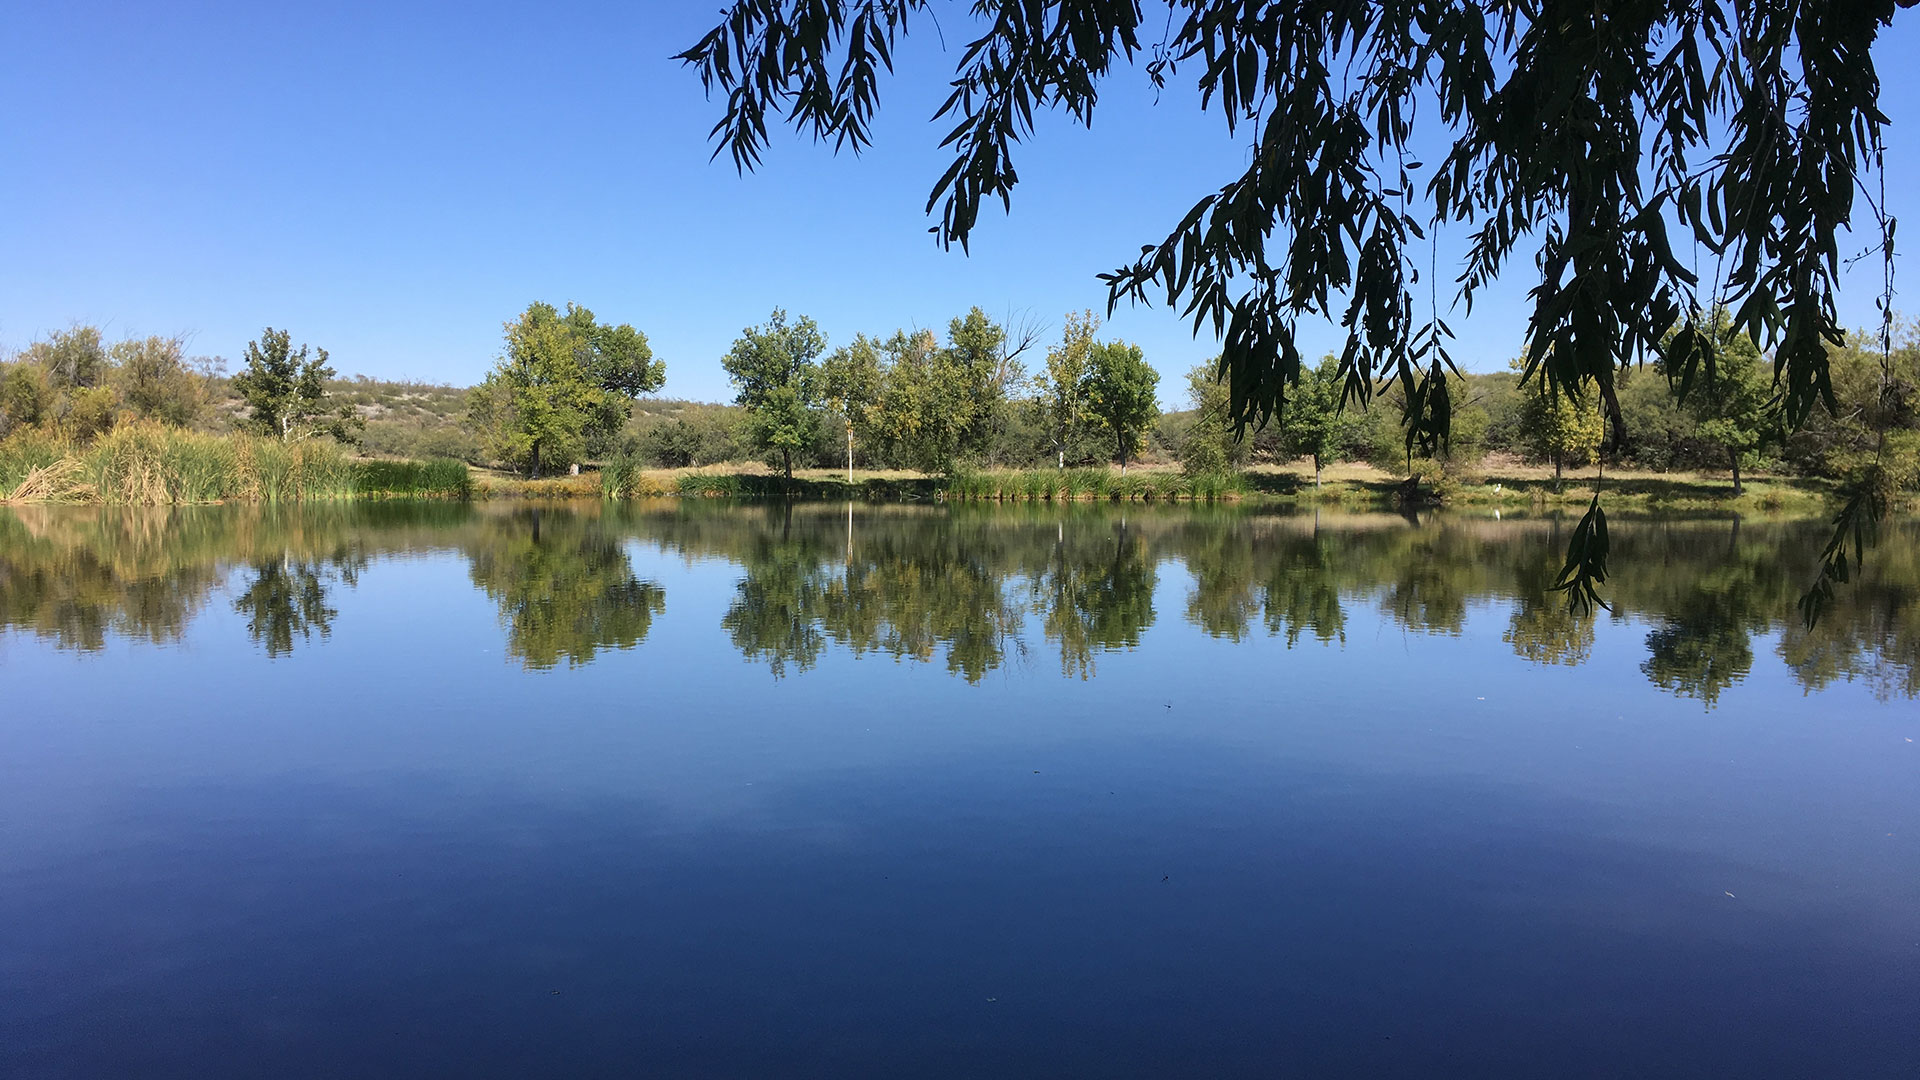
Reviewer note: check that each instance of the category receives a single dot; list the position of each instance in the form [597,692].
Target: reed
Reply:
[153,465]
[24,452]
[625,478]
[439,479]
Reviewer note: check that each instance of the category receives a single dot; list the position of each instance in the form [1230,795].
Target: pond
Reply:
[712,789]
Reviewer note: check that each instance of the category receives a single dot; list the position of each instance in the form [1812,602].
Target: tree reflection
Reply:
[1096,597]
[1543,629]
[976,588]
[286,599]
[564,585]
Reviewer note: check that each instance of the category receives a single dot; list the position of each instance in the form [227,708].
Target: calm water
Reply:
[892,791]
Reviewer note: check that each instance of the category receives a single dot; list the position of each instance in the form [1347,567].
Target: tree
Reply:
[287,390]
[1208,445]
[564,385]
[939,404]
[155,380]
[1560,428]
[1585,128]
[74,359]
[25,396]
[1314,424]
[1120,394]
[1732,401]
[776,379]
[72,366]
[1063,385]
[850,381]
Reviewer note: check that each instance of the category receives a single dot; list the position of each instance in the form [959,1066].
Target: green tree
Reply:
[1559,427]
[1209,445]
[155,380]
[73,359]
[1062,386]
[1732,401]
[1313,424]
[776,377]
[286,390]
[939,403]
[26,396]
[1120,394]
[564,386]
[66,386]
[851,381]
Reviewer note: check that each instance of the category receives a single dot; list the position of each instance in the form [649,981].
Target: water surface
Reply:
[815,790]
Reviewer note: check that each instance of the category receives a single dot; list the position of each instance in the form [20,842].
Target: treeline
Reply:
[912,401]
[569,390]
[915,400]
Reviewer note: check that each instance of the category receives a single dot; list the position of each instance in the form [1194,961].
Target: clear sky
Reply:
[393,181]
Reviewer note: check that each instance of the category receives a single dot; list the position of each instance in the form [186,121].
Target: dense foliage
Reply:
[286,391]
[562,388]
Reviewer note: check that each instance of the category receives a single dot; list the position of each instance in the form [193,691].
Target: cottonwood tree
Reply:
[776,378]
[1062,386]
[286,391]
[1583,134]
[851,380]
[939,404]
[1120,394]
[564,385]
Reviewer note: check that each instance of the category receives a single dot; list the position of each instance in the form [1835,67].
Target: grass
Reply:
[153,465]
[1083,485]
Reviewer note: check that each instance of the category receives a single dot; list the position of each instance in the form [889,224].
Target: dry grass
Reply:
[61,481]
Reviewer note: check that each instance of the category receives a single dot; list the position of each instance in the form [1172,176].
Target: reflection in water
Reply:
[1096,596]
[564,585]
[976,587]
[287,598]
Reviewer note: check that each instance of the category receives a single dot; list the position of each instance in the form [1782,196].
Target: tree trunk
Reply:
[849,457]
[1734,457]
[1556,470]
[786,460]
[1316,472]
[534,472]
[1121,439]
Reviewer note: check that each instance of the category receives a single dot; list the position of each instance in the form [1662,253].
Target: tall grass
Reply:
[154,465]
[441,479]
[25,454]
[1072,485]
[625,478]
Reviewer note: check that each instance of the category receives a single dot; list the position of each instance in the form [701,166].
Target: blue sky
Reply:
[393,181]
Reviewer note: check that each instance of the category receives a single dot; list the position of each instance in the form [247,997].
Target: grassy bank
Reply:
[151,465]
[1095,485]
